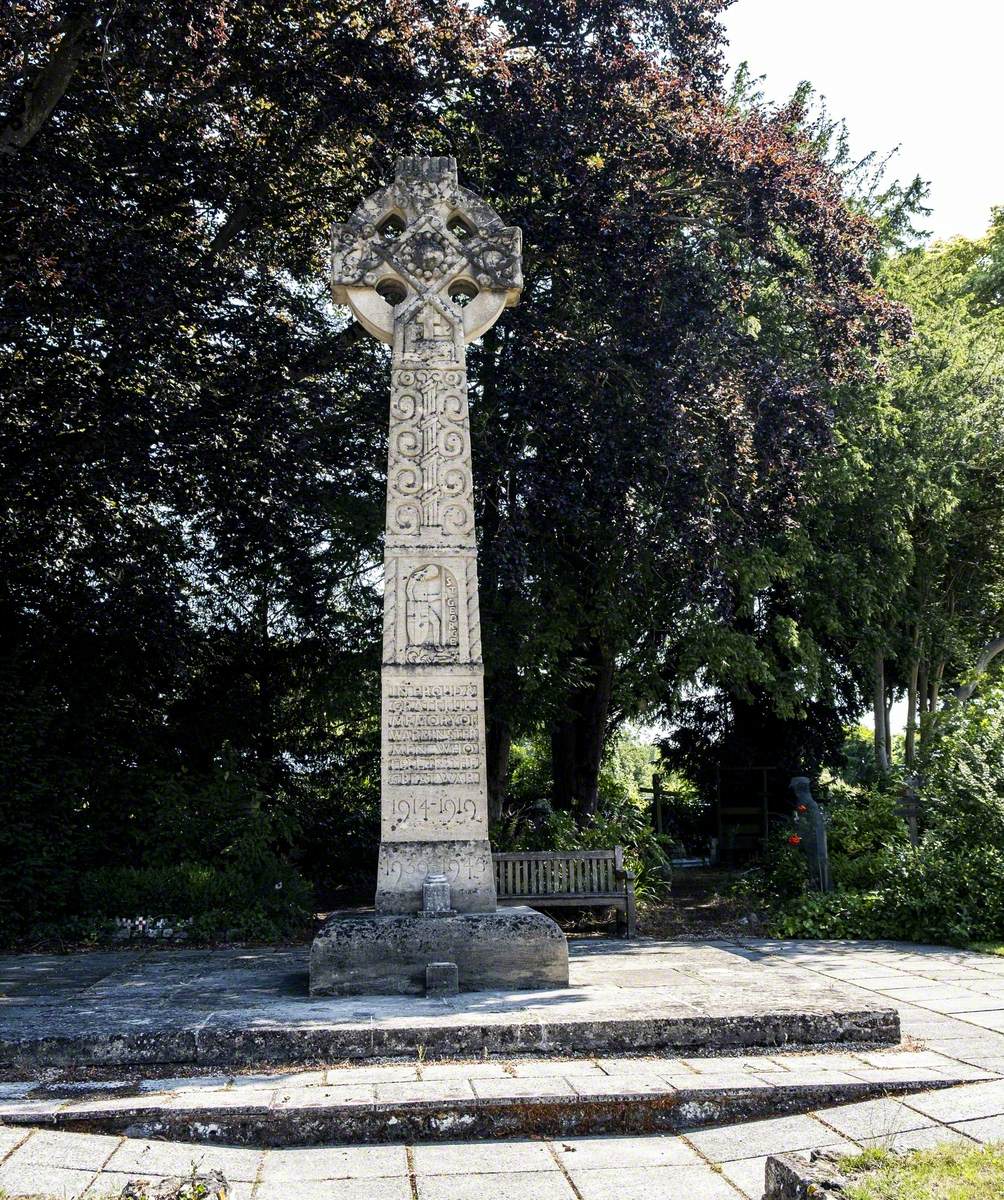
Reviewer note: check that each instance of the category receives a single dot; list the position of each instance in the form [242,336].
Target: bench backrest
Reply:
[559,873]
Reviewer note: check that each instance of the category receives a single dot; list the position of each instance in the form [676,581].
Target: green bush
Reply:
[949,888]
[932,893]
[251,892]
[780,878]
[962,770]
[864,831]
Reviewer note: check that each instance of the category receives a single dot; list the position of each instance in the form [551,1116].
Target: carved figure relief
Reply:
[432,616]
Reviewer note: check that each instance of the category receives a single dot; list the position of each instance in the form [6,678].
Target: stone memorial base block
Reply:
[516,949]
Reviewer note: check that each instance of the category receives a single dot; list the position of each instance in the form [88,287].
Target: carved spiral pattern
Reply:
[455,481]
[408,518]
[457,518]
[407,480]
[452,443]
[408,443]
[454,407]
[403,406]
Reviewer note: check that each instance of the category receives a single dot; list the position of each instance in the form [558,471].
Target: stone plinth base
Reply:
[512,950]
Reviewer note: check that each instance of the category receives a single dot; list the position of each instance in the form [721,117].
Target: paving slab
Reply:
[35,1180]
[984,1129]
[873,1119]
[336,1189]
[334,1162]
[961,1103]
[590,1153]
[483,1158]
[774,1136]
[653,1183]
[141,1156]
[53,1148]
[747,1176]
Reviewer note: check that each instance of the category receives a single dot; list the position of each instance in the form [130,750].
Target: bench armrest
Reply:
[627,876]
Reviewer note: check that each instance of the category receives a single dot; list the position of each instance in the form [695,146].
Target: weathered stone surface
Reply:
[791,1178]
[441,979]
[427,266]
[515,948]
[541,1106]
[244,1006]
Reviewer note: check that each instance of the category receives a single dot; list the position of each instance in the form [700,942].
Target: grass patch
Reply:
[952,1172]
[988,948]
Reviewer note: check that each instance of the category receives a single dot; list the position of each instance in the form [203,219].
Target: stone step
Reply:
[245,1008]
[241,1045]
[469,1100]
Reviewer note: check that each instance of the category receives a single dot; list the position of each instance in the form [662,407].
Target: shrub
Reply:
[934,893]
[962,770]
[250,892]
[780,877]
[864,828]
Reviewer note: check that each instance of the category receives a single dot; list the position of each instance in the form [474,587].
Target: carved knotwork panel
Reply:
[429,488]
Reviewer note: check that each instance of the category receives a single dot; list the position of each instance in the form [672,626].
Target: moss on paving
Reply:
[951,1172]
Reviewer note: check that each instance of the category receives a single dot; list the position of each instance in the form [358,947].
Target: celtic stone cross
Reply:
[428,267]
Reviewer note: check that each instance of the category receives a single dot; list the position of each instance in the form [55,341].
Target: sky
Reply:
[921,75]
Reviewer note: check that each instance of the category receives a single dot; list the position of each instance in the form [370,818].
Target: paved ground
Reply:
[203,1006]
[951,1005]
[726,1162]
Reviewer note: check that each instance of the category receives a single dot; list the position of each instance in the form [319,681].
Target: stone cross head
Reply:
[427,252]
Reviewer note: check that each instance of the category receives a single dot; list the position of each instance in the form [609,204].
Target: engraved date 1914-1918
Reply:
[439,811]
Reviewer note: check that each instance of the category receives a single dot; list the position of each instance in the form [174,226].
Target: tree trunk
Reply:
[911,713]
[878,708]
[498,736]
[935,687]
[578,734]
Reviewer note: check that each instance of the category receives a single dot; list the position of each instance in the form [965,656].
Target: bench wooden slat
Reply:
[566,877]
[552,855]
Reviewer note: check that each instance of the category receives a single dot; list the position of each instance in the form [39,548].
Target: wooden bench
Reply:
[587,878]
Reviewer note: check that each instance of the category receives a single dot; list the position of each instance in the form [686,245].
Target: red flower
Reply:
[803,808]
[794,840]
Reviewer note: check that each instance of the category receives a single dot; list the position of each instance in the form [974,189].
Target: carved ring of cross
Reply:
[424,238]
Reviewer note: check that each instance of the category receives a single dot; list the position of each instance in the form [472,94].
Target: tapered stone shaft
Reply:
[428,267]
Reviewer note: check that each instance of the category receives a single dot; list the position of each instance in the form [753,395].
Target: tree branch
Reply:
[989,652]
[49,88]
